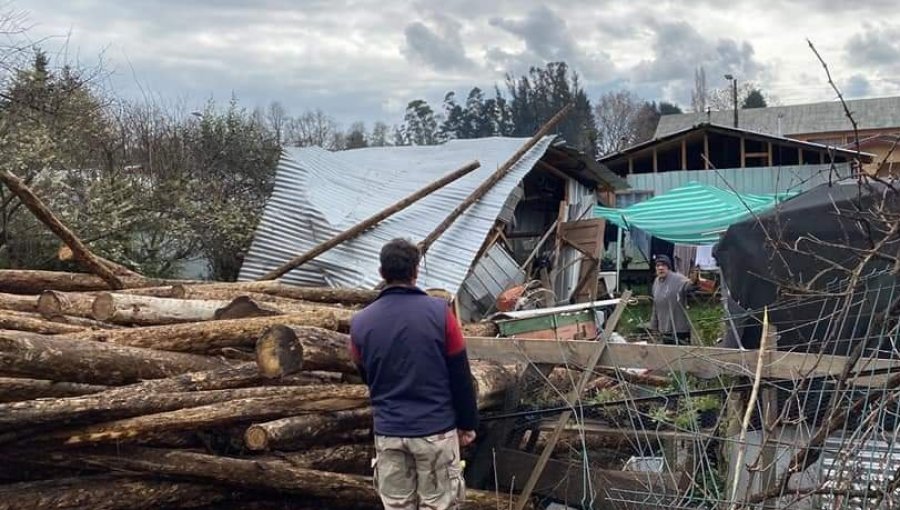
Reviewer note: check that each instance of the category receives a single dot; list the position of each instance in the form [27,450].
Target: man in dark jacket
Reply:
[411,353]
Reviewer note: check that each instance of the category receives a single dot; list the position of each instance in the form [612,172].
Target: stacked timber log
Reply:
[175,394]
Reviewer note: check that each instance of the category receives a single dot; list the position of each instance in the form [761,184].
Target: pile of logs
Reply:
[173,394]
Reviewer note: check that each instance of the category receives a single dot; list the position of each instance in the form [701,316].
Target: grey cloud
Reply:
[678,49]
[547,39]
[441,51]
[875,46]
[544,34]
[857,86]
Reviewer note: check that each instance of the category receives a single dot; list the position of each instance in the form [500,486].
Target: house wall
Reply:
[762,180]
[881,150]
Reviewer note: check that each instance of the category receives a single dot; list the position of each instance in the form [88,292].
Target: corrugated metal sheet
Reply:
[493,273]
[760,181]
[868,466]
[320,193]
[878,113]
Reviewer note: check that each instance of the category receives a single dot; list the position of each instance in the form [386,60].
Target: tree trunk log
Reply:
[35,323]
[118,405]
[65,254]
[134,310]
[26,281]
[217,292]
[230,377]
[284,350]
[352,459]
[62,359]
[311,399]
[370,222]
[317,294]
[43,213]
[269,474]
[18,303]
[206,336]
[53,304]
[274,435]
[109,492]
[14,389]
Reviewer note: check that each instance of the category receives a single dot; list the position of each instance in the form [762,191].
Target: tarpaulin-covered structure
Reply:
[823,262]
[695,214]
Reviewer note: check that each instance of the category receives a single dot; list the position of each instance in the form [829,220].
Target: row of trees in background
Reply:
[154,187]
[616,120]
[144,186]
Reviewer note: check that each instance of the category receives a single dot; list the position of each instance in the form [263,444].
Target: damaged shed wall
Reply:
[320,193]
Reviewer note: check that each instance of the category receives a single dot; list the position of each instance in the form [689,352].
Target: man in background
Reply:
[669,316]
[411,353]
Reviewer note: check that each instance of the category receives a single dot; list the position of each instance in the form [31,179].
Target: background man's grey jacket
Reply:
[669,315]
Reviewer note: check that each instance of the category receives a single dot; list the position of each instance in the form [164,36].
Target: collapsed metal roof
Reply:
[320,193]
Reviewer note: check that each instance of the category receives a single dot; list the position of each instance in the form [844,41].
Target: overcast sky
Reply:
[365,59]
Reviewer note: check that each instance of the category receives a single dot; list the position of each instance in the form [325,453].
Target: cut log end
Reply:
[50,304]
[65,254]
[278,353]
[102,309]
[256,438]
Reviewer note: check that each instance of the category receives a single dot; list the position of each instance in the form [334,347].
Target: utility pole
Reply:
[734,96]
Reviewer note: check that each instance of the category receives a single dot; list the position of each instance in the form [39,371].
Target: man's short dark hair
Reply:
[399,261]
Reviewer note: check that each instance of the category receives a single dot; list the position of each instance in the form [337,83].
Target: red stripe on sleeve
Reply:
[355,356]
[455,343]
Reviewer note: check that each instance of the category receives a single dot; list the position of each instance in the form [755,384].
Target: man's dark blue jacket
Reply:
[412,355]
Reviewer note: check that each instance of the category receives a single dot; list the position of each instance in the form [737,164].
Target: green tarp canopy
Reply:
[695,213]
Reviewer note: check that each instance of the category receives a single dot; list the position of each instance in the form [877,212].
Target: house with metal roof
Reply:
[878,121]
[497,243]
[730,158]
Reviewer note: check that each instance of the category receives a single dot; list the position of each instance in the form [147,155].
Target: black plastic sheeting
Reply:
[790,260]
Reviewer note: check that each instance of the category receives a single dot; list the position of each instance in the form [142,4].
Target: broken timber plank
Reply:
[703,362]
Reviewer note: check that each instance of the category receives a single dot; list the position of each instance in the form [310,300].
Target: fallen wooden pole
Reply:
[35,323]
[286,349]
[486,186]
[278,289]
[31,281]
[108,492]
[108,406]
[351,459]
[53,303]
[274,435]
[313,399]
[201,337]
[62,359]
[15,389]
[135,310]
[65,254]
[46,216]
[369,222]
[18,303]
[275,475]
